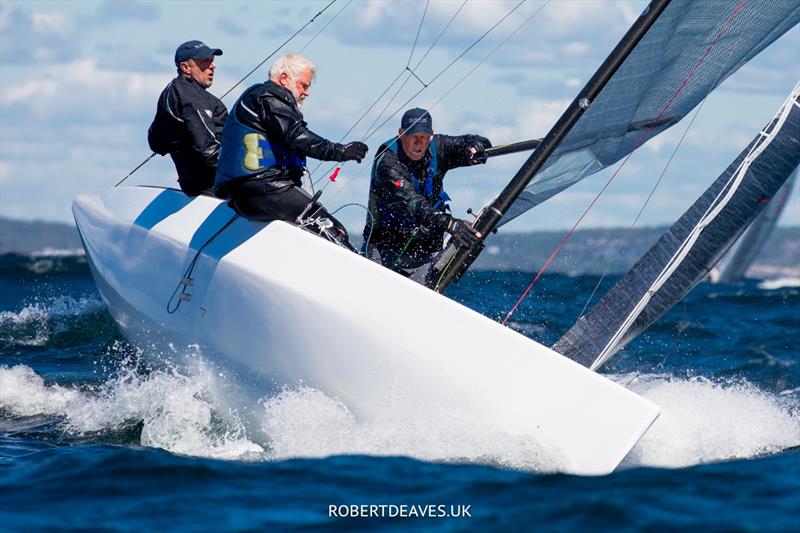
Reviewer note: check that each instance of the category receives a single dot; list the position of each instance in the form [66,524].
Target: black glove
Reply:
[479,144]
[355,151]
[463,233]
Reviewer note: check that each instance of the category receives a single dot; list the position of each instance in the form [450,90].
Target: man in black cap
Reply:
[408,211]
[189,119]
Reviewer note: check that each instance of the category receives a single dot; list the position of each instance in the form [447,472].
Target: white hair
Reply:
[292,64]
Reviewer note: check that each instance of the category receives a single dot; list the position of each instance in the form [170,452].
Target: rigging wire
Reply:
[460,81]
[638,144]
[445,69]
[437,76]
[490,54]
[325,26]
[405,70]
[644,205]
[435,41]
[335,168]
[419,30]
[153,154]
[287,41]
[428,51]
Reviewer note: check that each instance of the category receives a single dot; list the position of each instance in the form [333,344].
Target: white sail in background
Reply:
[753,240]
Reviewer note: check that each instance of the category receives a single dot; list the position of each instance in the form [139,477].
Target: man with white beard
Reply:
[264,147]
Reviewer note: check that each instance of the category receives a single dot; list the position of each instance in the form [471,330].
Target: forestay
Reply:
[675,66]
[684,255]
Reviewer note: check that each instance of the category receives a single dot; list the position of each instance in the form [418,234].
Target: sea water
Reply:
[98,434]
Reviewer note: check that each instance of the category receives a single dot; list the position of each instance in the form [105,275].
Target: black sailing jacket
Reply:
[270,108]
[188,125]
[393,196]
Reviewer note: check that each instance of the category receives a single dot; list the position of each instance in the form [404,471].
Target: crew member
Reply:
[264,147]
[408,210]
[189,119]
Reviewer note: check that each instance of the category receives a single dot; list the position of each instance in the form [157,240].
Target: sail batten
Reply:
[686,253]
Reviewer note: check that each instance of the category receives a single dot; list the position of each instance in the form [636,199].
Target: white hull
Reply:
[285,307]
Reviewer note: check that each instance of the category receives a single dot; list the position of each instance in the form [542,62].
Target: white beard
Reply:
[296,96]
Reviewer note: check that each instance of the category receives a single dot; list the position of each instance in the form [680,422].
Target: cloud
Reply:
[35,37]
[117,10]
[81,90]
[231,27]
[543,37]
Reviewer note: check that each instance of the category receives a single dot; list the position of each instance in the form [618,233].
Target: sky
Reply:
[79,81]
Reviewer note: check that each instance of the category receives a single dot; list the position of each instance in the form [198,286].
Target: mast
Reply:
[455,260]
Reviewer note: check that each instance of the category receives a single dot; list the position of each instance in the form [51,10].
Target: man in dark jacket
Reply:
[264,147]
[408,211]
[189,119]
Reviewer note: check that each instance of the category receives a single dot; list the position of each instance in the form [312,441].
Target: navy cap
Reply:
[416,121]
[194,50]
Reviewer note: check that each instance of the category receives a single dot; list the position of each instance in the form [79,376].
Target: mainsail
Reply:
[750,244]
[675,54]
[646,94]
[684,255]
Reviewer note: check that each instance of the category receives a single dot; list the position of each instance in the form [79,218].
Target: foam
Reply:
[23,393]
[779,283]
[195,411]
[45,317]
[177,412]
[705,421]
[304,422]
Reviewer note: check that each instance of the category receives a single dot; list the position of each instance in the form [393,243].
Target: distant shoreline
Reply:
[589,251]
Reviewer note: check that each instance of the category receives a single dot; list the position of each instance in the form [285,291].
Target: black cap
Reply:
[416,121]
[194,50]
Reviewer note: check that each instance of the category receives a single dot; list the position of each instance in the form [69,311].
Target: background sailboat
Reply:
[733,267]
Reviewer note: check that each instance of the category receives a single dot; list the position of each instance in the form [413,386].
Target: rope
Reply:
[370,221]
[639,142]
[403,251]
[646,202]
[187,280]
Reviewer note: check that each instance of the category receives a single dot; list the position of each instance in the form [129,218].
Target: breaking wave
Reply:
[190,412]
[705,421]
[47,320]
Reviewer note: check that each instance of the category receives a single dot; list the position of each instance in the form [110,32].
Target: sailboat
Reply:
[249,296]
[735,263]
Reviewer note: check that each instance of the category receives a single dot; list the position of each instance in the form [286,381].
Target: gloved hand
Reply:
[463,233]
[476,149]
[355,151]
